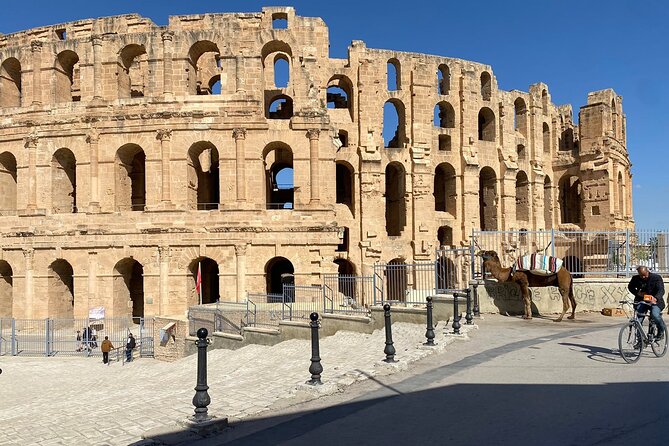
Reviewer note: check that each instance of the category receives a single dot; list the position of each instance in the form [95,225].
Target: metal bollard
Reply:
[389,350]
[429,333]
[456,313]
[477,310]
[468,314]
[201,399]
[315,368]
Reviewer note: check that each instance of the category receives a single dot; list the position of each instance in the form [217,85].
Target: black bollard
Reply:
[468,314]
[389,350]
[456,313]
[477,311]
[201,399]
[315,368]
[429,333]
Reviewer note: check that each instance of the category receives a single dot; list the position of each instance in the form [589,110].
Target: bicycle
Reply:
[632,339]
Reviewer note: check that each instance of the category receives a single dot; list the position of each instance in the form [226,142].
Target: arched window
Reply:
[548,203]
[10,83]
[393,124]
[520,116]
[128,288]
[488,199]
[521,152]
[443,79]
[203,176]
[395,198]
[546,131]
[444,115]
[486,86]
[340,93]
[279,175]
[522,197]
[571,204]
[63,182]
[345,185]
[396,280]
[6,290]
[203,66]
[278,271]
[486,125]
[61,290]
[67,84]
[132,73]
[277,63]
[280,107]
[130,178]
[544,101]
[445,193]
[7,184]
[445,236]
[394,75]
[209,281]
[567,139]
[281,71]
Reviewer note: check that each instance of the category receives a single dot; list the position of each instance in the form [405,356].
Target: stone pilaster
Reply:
[167,37]
[92,281]
[164,255]
[96,40]
[165,138]
[240,163]
[240,254]
[36,48]
[313,135]
[92,139]
[31,145]
[29,257]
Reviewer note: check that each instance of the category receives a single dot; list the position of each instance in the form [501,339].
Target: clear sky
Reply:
[573,46]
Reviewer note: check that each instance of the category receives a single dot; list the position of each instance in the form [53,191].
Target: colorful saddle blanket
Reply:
[538,264]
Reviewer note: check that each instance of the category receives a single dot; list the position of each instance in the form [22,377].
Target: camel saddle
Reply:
[539,264]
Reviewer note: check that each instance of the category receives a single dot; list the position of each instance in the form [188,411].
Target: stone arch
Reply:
[571,199]
[445,191]
[522,197]
[128,288]
[488,199]
[203,176]
[10,83]
[548,203]
[61,290]
[271,53]
[396,207]
[445,236]
[486,86]
[394,74]
[486,125]
[520,116]
[340,93]
[8,188]
[132,71]
[203,65]
[63,182]
[546,132]
[279,176]
[130,178]
[443,79]
[345,184]
[279,106]
[394,116]
[567,139]
[281,71]
[277,271]
[444,115]
[396,280]
[6,290]
[67,77]
[209,280]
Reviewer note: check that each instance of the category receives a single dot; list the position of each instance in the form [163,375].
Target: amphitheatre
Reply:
[131,154]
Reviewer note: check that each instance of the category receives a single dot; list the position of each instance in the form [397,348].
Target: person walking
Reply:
[129,347]
[106,347]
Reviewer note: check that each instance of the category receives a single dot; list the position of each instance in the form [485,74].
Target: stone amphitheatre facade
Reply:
[130,153]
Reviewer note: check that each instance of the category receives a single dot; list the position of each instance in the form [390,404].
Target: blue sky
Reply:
[573,46]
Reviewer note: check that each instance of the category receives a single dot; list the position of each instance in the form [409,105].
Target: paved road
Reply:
[515,383]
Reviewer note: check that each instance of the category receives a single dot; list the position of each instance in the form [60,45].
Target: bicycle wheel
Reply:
[630,343]
[660,347]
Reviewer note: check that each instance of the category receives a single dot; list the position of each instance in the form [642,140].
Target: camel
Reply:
[525,279]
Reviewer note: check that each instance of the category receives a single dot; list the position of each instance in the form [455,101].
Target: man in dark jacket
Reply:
[646,283]
[129,346]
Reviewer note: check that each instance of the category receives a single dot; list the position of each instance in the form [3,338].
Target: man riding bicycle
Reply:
[648,284]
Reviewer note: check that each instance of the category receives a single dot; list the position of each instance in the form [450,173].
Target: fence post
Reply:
[552,242]
[46,337]
[628,265]
[472,253]
[13,338]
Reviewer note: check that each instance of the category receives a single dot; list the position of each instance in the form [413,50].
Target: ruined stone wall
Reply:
[132,152]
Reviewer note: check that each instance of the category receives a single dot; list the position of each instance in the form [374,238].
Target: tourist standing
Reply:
[106,347]
[129,346]
[79,347]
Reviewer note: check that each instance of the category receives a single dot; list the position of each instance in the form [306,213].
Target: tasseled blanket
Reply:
[538,264]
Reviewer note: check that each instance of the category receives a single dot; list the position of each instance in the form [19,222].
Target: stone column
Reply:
[313,135]
[165,138]
[96,39]
[31,145]
[240,163]
[167,36]
[29,256]
[92,139]
[239,73]
[164,254]
[36,48]
[92,279]
[240,253]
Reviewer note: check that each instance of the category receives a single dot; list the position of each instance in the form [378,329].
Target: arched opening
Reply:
[621,194]
[10,83]
[342,136]
[7,183]
[444,115]
[444,79]
[396,280]
[346,278]
[209,280]
[522,197]
[281,71]
[280,20]
[215,84]
[488,199]
[63,182]
[128,288]
[339,93]
[548,203]
[521,152]
[279,175]
[67,83]
[520,116]
[567,139]
[61,290]
[278,271]
[486,86]
[546,131]
[447,275]
[445,236]
[394,75]
[203,176]
[445,195]
[130,178]
[486,124]
[203,65]
[393,124]
[345,185]
[6,290]
[571,206]
[395,200]
[544,101]
[132,71]
[280,107]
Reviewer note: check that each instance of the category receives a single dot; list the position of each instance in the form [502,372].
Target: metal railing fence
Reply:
[226,317]
[347,293]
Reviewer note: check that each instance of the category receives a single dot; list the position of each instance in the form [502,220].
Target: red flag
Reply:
[198,281]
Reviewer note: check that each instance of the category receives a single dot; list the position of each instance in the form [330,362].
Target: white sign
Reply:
[96,313]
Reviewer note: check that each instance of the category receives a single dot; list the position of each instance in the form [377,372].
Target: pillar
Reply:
[36,48]
[31,145]
[313,135]
[164,255]
[240,254]
[92,139]
[167,37]
[96,40]
[239,73]
[92,281]
[240,163]
[165,138]
[29,256]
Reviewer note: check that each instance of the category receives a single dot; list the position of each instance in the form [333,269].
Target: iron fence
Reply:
[302,300]
[264,309]
[452,269]
[226,317]
[405,283]
[347,294]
